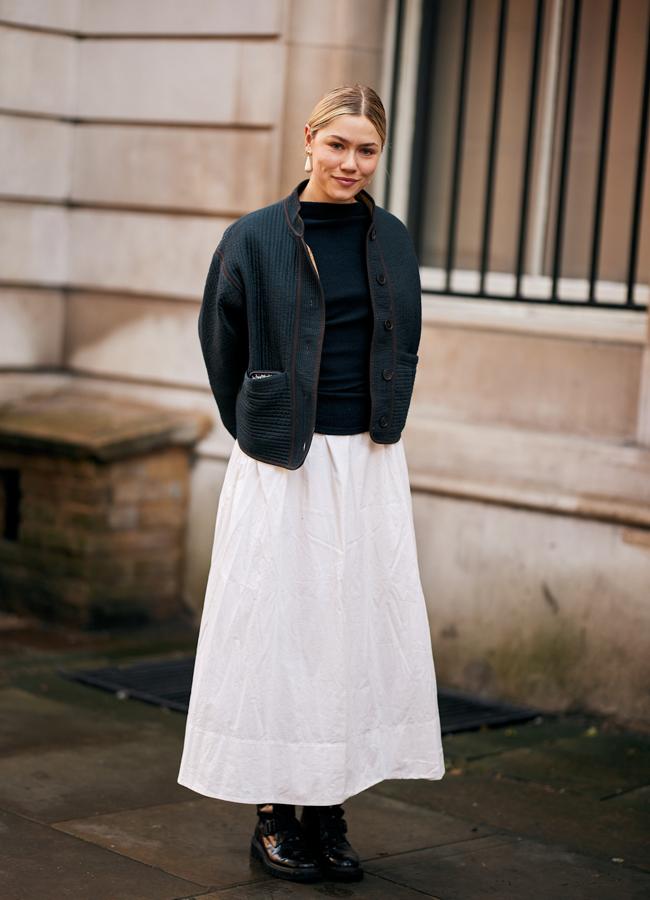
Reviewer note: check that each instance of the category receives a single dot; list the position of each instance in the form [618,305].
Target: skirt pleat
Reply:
[314,675]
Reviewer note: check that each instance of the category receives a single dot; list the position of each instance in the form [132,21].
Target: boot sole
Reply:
[277,871]
[342,874]
[330,874]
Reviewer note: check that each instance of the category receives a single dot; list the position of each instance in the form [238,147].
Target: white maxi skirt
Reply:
[314,676]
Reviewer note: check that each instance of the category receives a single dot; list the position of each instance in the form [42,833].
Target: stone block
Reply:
[62,14]
[205,17]
[357,26]
[89,555]
[32,327]
[183,169]
[546,384]
[36,157]
[219,82]
[139,337]
[38,71]
[33,244]
[135,264]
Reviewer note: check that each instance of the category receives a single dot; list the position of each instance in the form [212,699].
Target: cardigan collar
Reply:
[292,207]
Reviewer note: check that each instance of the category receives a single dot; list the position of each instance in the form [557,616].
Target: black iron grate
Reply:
[168,683]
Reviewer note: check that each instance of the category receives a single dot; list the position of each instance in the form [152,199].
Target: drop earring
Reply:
[308,162]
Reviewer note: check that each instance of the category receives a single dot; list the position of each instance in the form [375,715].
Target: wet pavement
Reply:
[90,808]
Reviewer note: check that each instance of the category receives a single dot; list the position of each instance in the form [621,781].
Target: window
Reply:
[528,177]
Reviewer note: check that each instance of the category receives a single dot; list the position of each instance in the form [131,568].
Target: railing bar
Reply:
[566,143]
[494,137]
[640,177]
[530,139]
[424,115]
[458,145]
[604,151]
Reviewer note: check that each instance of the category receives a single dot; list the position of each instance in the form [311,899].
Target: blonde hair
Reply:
[351,100]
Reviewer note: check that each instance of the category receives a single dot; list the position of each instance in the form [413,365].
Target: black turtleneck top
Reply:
[336,233]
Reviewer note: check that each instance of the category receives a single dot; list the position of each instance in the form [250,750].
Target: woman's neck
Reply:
[310,199]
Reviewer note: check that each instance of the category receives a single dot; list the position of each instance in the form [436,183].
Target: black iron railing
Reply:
[594,275]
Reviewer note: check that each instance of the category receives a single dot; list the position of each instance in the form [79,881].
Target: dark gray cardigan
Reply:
[261,329]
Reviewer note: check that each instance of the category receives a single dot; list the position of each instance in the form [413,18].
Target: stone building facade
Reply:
[133,133]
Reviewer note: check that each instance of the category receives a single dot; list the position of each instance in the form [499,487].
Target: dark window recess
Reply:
[530,151]
[10,503]
[168,683]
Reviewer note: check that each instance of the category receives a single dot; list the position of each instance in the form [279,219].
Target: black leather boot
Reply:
[279,844]
[325,828]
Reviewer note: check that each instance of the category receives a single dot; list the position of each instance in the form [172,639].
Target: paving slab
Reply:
[505,867]
[371,887]
[638,799]
[486,741]
[382,826]
[208,840]
[51,684]
[595,765]
[30,722]
[50,786]
[205,840]
[536,811]
[40,863]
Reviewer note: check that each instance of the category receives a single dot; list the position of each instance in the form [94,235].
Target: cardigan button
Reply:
[388,324]
[387,374]
[373,233]
[383,421]
[381,278]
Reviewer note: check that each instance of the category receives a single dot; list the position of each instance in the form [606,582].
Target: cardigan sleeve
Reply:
[223,334]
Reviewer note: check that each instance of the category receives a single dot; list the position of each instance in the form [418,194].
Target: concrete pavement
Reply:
[90,808]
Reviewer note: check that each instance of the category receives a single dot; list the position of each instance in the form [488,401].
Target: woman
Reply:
[314,676]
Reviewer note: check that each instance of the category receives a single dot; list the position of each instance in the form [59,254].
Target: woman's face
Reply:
[345,154]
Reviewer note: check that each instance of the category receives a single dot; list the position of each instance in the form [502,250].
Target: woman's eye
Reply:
[368,150]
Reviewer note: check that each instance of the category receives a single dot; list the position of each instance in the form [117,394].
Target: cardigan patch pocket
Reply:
[263,411]
[260,384]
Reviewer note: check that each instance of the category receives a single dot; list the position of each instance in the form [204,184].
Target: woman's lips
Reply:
[346,181]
